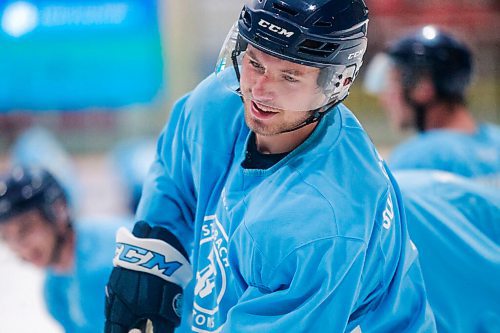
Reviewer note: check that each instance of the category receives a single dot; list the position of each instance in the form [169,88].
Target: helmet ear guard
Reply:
[337,85]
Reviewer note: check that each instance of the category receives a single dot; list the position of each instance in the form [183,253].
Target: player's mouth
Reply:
[263,112]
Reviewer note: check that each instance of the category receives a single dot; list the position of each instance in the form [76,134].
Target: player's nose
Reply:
[263,89]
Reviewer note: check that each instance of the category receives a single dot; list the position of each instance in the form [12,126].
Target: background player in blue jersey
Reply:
[267,207]
[454,224]
[423,81]
[37,224]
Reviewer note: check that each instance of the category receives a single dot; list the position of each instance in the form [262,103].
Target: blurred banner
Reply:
[77,55]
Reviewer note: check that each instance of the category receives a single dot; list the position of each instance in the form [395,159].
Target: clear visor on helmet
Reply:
[273,83]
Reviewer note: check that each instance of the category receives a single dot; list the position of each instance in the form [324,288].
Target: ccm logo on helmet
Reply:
[275,28]
[355,54]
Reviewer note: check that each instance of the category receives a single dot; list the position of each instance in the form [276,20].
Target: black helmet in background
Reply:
[433,52]
[429,53]
[23,189]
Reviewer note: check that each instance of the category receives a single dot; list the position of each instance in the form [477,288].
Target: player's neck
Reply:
[283,142]
[456,118]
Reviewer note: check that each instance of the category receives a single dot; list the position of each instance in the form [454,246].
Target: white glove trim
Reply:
[152,256]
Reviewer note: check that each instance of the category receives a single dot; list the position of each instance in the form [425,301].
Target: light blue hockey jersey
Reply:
[316,243]
[76,299]
[470,155]
[455,224]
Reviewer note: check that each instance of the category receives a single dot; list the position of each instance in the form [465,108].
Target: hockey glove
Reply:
[151,270]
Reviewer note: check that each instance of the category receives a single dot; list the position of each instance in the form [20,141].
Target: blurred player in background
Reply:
[267,204]
[37,224]
[421,81]
[454,222]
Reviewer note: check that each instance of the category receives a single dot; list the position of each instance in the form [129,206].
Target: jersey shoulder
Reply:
[425,150]
[490,132]
[212,116]
[468,155]
[213,102]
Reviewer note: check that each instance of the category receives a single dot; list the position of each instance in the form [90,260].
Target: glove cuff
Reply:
[152,256]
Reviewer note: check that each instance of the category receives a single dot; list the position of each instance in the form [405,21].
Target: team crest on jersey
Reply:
[388,214]
[211,277]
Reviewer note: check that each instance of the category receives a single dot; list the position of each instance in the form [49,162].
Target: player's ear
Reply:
[424,91]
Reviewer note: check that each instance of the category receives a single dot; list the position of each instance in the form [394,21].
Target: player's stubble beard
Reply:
[281,123]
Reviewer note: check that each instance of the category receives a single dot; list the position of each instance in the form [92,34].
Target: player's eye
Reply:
[290,78]
[256,65]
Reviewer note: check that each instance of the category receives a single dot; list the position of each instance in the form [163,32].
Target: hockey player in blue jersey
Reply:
[421,80]
[454,224]
[36,223]
[267,208]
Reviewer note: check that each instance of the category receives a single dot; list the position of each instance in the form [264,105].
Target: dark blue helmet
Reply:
[314,32]
[23,189]
[327,34]
[433,52]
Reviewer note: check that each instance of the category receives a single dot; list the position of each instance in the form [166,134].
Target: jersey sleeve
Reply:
[168,195]
[313,288]
[401,299]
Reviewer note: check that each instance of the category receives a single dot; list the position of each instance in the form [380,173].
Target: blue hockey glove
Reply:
[151,270]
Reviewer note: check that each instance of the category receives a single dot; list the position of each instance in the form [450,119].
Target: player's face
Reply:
[393,101]
[30,236]
[274,89]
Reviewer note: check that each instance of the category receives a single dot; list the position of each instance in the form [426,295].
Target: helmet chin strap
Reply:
[240,46]
[317,115]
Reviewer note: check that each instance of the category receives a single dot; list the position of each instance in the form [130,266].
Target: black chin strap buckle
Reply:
[316,116]
[240,46]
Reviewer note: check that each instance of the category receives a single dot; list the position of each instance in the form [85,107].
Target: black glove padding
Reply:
[150,272]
